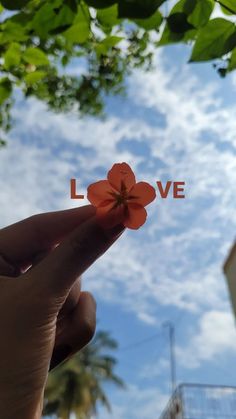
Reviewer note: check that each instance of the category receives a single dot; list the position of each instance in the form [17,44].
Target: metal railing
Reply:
[199,401]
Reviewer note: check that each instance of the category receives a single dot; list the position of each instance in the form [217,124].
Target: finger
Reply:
[56,274]
[78,327]
[6,268]
[34,260]
[71,300]
[21,241]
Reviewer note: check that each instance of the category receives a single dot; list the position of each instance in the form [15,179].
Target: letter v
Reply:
[164,192]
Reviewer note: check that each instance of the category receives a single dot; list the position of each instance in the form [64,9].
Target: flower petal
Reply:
[100,192]
[135,217]
[142,193]
[108,216]
[121,173]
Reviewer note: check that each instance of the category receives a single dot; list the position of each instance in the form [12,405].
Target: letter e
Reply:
[177,190]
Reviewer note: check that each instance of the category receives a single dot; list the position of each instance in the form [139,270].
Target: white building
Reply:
[230,273]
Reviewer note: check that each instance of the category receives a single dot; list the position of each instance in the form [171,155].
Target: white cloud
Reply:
[154,369]
[233,79]
[148,277]
[135,401]
[215,335]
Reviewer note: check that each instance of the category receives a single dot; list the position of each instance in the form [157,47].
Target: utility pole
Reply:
[171,330]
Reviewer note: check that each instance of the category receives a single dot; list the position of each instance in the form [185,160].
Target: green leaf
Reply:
[108,17]
[169,37]
[77,34]
[185,6]
[177,28]
[189,6]
[2,142]
[100,4]
[178,23]
[152,22]
[14,4]
[101,49]
[138,9]
[214,40]
[108,42]
[12,32]
[201,13]
[5,89]
[65,60]
[230,6]
[111,41]
[43,20]
[13,56]
[34,77]
[222,71]
[72,4]
[35,56]
[22,19]
[63,18]
[83,15]
[53,18]
[225,11]
[232,61]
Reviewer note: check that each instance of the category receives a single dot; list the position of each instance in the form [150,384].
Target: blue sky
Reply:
[176,123]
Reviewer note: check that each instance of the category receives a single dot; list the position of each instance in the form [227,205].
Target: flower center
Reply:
[122,197]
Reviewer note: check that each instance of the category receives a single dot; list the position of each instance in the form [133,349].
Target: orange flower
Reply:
[119,199]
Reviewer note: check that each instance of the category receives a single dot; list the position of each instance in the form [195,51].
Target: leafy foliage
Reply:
[214,40]
[40,40]
[76,386]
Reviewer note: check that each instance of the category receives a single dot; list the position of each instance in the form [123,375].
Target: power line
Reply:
[141,342]
[152,337]
[156,356]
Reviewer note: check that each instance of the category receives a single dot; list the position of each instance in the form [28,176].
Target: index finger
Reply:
[56,273]
[23,240]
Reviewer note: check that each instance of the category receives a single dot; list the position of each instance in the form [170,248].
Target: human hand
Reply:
[44,316]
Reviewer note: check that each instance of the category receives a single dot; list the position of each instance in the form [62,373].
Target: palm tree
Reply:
[76,386]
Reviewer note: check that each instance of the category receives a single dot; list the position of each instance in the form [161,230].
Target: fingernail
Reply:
[59,355]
